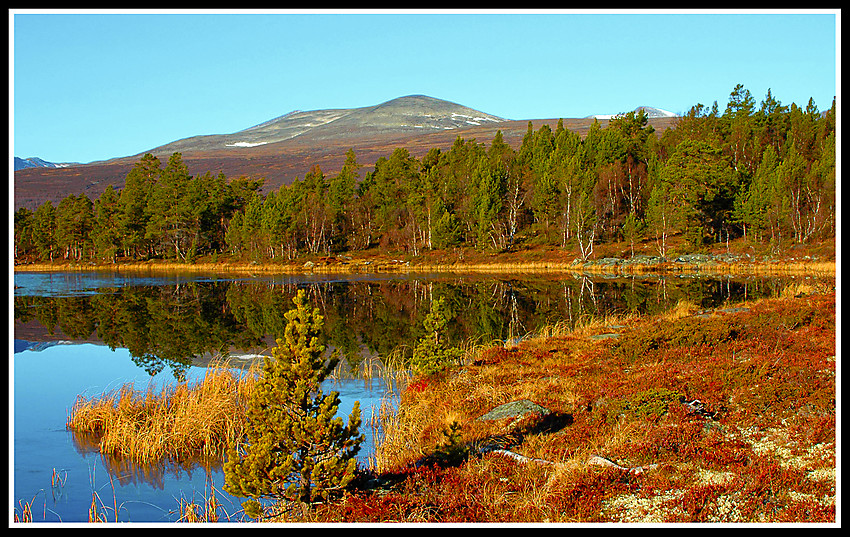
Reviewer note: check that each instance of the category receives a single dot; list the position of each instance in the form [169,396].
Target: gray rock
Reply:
[609,261]
[643,259]
[514,409]
[693,258]
[598,337]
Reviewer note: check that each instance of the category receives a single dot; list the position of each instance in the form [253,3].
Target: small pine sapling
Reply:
[295,448]
[432,354]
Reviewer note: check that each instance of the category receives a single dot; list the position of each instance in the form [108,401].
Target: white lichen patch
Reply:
[726,509]
[821,474]
[789,454]
[631,508]
[770,443]
[708,477]
[826,501]
[816,456]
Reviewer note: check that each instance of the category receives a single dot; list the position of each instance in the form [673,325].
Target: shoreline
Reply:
[605,266]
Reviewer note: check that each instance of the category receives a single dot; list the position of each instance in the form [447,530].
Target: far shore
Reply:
[693,264]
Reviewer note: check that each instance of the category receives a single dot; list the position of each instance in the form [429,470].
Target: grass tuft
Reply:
[177,423]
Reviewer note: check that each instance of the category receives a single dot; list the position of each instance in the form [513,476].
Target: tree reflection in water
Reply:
[175,326]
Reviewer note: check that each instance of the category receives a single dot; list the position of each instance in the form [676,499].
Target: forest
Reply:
[765,173]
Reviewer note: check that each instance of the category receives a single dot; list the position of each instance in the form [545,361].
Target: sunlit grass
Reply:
[683,308]
[188,421]
[207,510]
[774,268]
[794,289]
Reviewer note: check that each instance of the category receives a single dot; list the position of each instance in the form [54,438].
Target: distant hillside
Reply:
[35,162]
[287,147]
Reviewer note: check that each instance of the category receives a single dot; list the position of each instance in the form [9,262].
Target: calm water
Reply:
[88,334]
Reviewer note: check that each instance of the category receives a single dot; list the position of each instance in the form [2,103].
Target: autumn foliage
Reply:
[721,416]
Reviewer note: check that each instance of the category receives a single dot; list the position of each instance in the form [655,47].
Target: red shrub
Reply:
[696,500]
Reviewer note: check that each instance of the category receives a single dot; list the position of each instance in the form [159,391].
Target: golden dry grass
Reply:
[778,268]
[175,423]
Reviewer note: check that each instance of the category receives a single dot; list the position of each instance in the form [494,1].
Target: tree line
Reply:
[764,172]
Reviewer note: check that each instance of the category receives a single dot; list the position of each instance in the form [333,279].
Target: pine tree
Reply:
[133,206]
[665,211]
[295,448]
[755,204]
[106,236]
[632,230]
[433,354]
[341,189]
[170,215]
[488,203]
[44,230]
[23,232]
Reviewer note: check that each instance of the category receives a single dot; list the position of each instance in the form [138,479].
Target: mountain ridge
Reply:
[36,162]
[397,115]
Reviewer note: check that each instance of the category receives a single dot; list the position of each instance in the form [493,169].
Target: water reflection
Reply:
[46,384]
[170,324]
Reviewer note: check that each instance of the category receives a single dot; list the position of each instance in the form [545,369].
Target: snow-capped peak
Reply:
[650,112]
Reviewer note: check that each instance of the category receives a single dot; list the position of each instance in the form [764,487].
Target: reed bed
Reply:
[177,423]
[683,308]
[390,370]
[389,435]
[207,510]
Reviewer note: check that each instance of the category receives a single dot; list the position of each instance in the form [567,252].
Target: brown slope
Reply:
[281,162]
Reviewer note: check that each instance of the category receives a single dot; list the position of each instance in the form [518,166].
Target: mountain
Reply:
[35,162]
[410,114]
[287,147]
[655,112]
[652,113]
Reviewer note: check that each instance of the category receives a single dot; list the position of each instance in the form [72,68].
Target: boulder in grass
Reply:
[515,409]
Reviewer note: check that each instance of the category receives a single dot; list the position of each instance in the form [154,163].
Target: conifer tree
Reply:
[134,212]
[23,232]
[44,230]
[488,203]
[106,236]
[433,354]
[632,230]
[295,448]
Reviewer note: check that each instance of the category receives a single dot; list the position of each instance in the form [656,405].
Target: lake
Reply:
[80,333]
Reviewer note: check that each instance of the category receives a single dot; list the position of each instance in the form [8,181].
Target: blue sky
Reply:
[89,86]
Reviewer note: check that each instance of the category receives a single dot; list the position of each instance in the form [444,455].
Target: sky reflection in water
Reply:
[46,384]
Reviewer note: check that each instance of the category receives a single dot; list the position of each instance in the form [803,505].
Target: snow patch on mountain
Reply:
[650,112]
[35,162]
[245,144]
